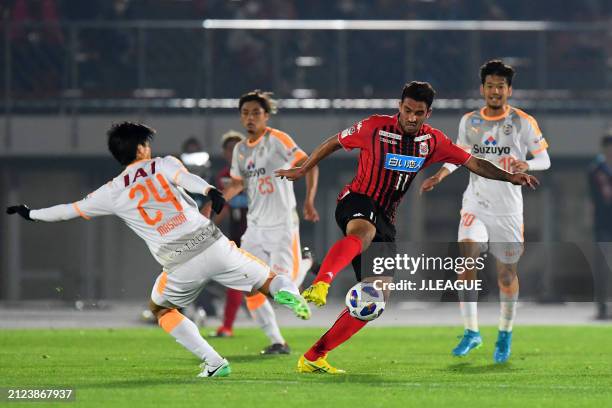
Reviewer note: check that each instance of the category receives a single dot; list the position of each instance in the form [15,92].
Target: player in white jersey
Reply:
[272,232]
[492,211]
[150,197]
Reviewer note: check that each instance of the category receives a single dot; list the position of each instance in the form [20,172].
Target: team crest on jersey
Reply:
[507,129]
[423,149]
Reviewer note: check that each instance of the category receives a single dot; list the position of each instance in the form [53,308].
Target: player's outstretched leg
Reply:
[315,359]
[338,257]
[359,235]
[285,293]
[187,335]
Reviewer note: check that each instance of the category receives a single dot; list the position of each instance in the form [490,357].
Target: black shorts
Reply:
[360,206]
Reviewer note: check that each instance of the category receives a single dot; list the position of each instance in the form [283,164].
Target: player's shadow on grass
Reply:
[466,367]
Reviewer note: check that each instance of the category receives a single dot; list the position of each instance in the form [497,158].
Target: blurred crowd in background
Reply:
[548,10]
[48,55]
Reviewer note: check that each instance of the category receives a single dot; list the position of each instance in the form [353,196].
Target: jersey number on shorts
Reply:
[467,219]
[150,187]
[265,186]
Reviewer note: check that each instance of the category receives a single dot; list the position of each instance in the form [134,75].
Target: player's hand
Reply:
[522,179]
[429,184]
[290,174]
[20,209]
[217,200]
[519,166]
[310,212]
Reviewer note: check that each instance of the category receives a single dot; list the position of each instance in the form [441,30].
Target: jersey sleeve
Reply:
[95,204]
[174,169]
[462,141]
[288,149]
[235,171]
[531,135]
[446,151]
[356,136]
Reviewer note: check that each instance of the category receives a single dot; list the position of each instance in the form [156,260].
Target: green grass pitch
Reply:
[387,367]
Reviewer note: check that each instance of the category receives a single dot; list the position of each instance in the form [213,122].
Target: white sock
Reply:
[282,282]
[187,335]
[469,309]
[469,312]
[266,319]
[507,309]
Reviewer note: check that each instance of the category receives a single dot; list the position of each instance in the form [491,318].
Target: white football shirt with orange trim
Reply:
[149,196]
[271,199]
[501,140]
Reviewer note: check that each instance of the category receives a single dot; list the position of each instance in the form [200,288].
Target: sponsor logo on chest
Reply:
[490,147]
[405,164]
[252,171]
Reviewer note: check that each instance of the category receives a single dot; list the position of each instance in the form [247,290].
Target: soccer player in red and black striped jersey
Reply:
[393,149]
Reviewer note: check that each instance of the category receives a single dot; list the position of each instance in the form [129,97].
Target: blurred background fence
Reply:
[69,69]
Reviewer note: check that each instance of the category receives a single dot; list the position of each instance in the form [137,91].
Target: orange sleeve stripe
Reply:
[170,320]
[540,150]
[255,301]
[299,155]
[78,210]
[284,138]
[163,280]
[178,172]
[296,257]
[530,119]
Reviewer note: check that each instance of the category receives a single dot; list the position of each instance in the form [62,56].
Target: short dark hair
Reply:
[124,138]
[497,68]
[263,98]
[420,92]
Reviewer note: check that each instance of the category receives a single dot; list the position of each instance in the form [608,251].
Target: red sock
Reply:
[233,299]
[342,330]
[338,257]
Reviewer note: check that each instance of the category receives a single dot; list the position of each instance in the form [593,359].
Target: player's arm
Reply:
[322,151]
[448,168]
[192,183]
[312,183]
[95,204]
[532,138]
[489,170]
[539,162]
[233,189]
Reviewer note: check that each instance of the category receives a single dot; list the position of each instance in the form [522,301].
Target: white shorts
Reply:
[222,262]
[504,233]
[278,247]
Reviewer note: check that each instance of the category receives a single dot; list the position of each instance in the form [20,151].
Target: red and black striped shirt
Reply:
[389,159]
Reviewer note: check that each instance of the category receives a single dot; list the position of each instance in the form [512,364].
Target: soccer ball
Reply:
[365,302]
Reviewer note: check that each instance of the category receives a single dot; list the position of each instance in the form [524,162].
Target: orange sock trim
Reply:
[255,301]
[170,320]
